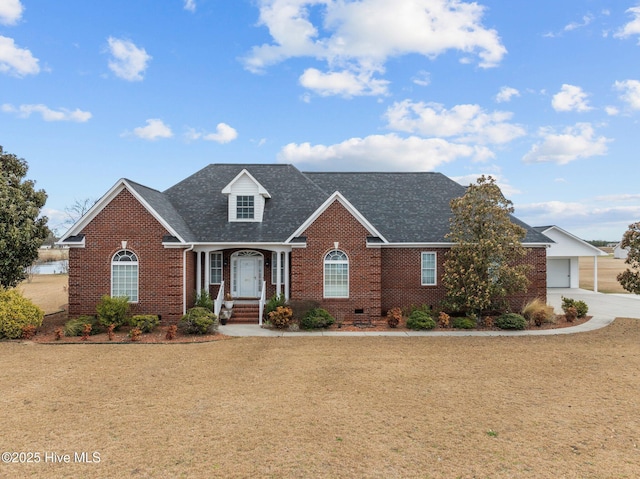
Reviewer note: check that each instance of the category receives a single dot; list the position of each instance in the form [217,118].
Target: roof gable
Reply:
[147,197]
[565,244]
[228,189]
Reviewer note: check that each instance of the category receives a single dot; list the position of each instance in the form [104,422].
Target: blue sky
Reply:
[544,95]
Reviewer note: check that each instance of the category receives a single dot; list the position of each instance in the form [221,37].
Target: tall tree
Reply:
[482,268]
[22,230]
[630,278]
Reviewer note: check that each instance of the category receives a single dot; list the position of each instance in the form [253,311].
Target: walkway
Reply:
[603,307]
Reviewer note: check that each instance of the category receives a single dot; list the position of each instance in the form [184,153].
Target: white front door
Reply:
[248,277]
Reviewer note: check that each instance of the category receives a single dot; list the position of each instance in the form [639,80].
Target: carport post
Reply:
[595,274]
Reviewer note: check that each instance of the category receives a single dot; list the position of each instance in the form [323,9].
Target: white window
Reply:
[274,268]
[216,268]
[336,275]
[124,275]
[244,207]
[428,268]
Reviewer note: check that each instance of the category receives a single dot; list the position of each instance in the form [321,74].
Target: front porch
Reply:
[249,275]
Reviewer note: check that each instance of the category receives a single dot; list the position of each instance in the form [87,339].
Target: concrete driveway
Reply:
[601,306]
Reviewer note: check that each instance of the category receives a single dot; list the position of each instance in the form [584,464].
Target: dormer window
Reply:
[244,207]
[246,198]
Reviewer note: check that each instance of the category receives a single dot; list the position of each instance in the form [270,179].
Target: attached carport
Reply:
[563,269]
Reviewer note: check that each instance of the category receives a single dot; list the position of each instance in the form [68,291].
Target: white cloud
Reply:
[378,152]
[359,37]
[190,5]
[15,60]
[344,83]
[155,129]
[631,28]
[574,143]
[586,20]
[506,93]
[10,11]
[224,134]
[630,92]
[24,111]
[128,61]
[570,98]
[423,78]
[468,123]
[587,219]
[611,110]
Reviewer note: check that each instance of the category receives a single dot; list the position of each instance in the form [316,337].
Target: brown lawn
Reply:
[49,291]
[608,269]
[470,407]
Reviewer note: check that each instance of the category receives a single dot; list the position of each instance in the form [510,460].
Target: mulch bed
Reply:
[46,332]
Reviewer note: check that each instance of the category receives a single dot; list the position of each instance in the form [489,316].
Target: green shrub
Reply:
[581,306]
[75,326]
[274,302]
[204,300]
[463,322]
[317,318]
[199,320]
[420,319]
[281,317]
[145,322]
[17,312]
[511,321]
[301,307]
[113,310]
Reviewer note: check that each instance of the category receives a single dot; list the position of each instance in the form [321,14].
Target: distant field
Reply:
[49,291]
[45,255]
[608,268]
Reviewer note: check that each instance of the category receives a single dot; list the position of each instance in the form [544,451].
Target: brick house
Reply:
[358,243]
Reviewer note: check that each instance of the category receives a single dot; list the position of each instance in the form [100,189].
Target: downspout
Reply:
[184,278]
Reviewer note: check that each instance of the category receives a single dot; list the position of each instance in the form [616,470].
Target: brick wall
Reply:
[160,269]
[307,266]
[401,278]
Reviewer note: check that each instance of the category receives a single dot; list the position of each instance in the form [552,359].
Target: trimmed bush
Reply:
[75,326]
[581,306]
[511,321]
[113,310]
[199,320]
[281,317]
[204,300]
[463,322]
[274,302]
[420,319]
[317,318]
[145,322]
[394,316]
[17,312]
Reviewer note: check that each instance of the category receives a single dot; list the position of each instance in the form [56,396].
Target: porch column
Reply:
[286,275]
[207,270]
[278,272]
[199,272]
[595,274]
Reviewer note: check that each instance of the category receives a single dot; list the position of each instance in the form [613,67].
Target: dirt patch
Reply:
[366,407]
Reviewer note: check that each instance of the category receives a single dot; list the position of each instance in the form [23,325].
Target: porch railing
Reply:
[263,297]
[217,304]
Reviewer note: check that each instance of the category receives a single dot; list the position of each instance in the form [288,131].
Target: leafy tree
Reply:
[481,268]
[22,231]
[630,278]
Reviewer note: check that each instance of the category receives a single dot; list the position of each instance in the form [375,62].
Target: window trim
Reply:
[423,269]
[117,262]
[248,208]
[327,262]
[211,267]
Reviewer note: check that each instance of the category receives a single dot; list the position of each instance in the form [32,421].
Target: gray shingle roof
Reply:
[403,207]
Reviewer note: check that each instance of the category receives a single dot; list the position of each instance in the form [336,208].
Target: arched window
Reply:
[336,275]
[124,275]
